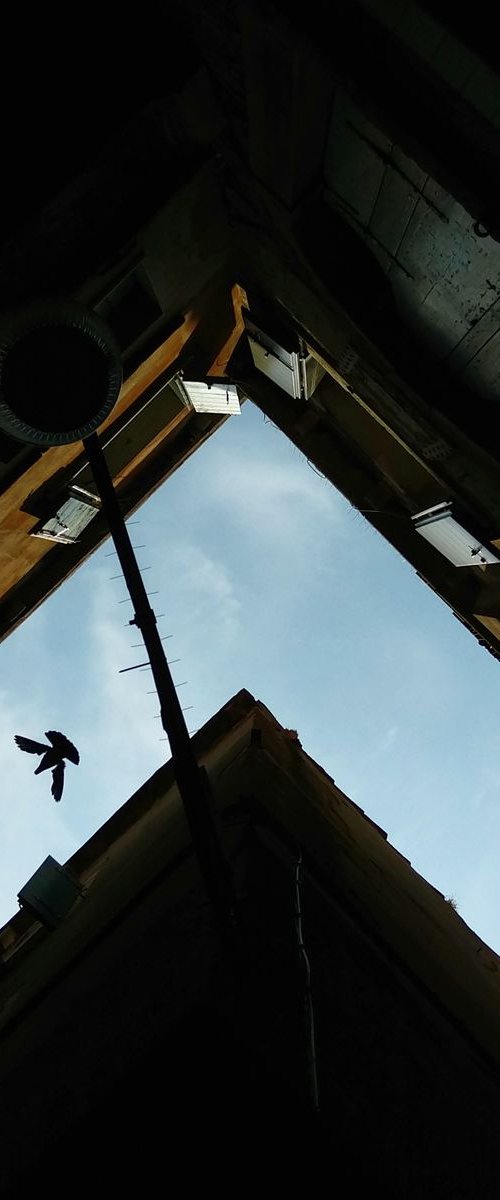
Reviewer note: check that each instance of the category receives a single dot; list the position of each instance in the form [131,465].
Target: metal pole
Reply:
[191,779]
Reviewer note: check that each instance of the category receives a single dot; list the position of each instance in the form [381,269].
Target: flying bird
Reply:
[53,756]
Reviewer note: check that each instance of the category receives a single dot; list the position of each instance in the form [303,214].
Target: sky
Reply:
[271,581]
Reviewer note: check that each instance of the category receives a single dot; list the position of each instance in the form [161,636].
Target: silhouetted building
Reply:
[142,1049]
[303,203]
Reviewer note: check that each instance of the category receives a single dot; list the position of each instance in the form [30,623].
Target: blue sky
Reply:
[269,580]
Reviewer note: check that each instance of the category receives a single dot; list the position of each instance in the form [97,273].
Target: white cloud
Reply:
[203,588]
[275,502]
[267,581]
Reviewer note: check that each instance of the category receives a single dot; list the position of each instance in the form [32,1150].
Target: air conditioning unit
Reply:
[439,527]
[50,893]
[209,395]
[285,362]
[71,517]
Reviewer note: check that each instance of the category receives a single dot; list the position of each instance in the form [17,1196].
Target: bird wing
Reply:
[63,745]
[29,745]
[58,781]
[49,760]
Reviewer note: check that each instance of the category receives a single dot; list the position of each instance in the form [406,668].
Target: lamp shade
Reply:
[60,373]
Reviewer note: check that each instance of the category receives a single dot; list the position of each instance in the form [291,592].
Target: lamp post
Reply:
[60,376]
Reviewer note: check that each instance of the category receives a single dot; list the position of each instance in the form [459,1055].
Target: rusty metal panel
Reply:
[408,168]
[476,338]
[354,159]
[394,208]
[452,276]
[387,11]
[440,320]
[482,90]
[454,62]
[426,246]
[444,271]
[419,31]
[483,372]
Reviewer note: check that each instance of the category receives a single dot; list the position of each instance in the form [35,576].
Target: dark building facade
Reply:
[302,201]
[345,1035]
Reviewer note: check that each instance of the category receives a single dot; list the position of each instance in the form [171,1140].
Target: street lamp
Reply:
[60,377]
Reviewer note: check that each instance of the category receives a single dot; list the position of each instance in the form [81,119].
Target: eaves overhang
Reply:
[375,439]
[264,783]
[149,433]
